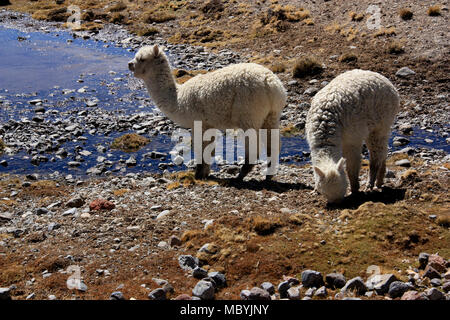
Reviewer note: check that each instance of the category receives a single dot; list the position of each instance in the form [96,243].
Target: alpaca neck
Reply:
[163,90]
[324,155]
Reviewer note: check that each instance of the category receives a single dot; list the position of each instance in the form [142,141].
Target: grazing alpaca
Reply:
[354,107]
[241,96]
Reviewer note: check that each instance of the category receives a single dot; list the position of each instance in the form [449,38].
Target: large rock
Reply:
[5,294]
[380,282]
[413,295]
[335,280]
[76,202]
[258,294]
[204,290]
[423,260]
[437,262]
[311,278]
[356,285]
[157,294]
[398,288]
[434,294]
[431,273]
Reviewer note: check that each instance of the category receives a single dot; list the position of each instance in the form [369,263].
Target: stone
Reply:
[101,204]
[69,212]
[380,282]
[204,290]
[431,273]
[258,294]
[413,295]
[446,287]
[40,211]
[356,284]
[5,294]
[311,278]
[199,273]
[269,287]
[187,262]
[423,260]
[219,279]
[158,294]
[436,282]
[404,72]
[76,202]
[183,296]
[310,292]
[293,293]
[403,163]
[398,288]
[437,262]
[245,294]
[174,241]
[117,295]
[283,288]
[434,294]
[321,292]
[335,280]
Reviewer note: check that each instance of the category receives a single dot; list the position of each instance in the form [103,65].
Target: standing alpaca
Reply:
[354,107]
[241,96]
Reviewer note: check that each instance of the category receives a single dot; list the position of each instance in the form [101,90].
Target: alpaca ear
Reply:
[341,164]
[156,51]
[319,172]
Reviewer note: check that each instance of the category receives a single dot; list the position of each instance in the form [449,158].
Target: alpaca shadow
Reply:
[387,195]
[258,185]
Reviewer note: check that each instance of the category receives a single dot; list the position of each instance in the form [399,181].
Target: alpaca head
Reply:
[145,60]
[331,181]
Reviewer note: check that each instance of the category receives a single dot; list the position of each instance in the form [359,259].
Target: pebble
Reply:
[157,294]
[437,262]
[423,260]
[413,295]
[117,295]
[258,294]
[69,212]
[321,292]
[404,72]
[431,273]
[40,211]
[283,288]
[204,290]
[174,241]
[403,163]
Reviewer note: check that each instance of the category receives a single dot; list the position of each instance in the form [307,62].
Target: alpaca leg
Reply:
[202,170]
[352,154]
[272,123]
[377,145]
[247,166]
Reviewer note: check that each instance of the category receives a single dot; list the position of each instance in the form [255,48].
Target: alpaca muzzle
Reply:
[131,66]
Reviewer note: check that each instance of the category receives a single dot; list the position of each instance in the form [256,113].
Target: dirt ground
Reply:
[260,231]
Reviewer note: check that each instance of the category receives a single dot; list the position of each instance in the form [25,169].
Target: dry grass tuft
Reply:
[130,142]
[356,16]
[434,11]
[120,6]
[306,66]
[395,47]
[406,14]
[146,31]
[444,219]
[385,32]
[348,57]
[278,67]
[264,226]
[2,146]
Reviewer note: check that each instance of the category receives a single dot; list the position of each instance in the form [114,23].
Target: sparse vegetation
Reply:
[434,11]
[395,47]
[119,6]
[2,146]
[130,142]
[146,31]
[406,14]
[278,67]
[356,16]
[348,57]
[306,66]
[385,32]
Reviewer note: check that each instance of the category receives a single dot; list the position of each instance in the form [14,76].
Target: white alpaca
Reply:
[241,96]
[354,107]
